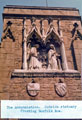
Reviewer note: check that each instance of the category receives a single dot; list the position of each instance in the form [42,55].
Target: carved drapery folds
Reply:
[43,50]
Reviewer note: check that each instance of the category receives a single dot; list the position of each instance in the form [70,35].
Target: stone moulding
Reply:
[40,7]
[46,73]
[62,17]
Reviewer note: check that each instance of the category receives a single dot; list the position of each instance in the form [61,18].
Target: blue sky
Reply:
[51,3]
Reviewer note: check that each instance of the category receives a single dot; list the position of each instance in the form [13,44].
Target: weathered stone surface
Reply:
[11,53]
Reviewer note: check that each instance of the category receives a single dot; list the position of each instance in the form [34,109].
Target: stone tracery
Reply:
[38,57]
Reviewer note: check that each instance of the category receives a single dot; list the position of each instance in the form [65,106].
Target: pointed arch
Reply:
[54,35]
[34,31]
[53,38]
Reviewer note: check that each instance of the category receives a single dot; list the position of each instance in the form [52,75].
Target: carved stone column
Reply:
[24,46]
[64,60]
[62,48]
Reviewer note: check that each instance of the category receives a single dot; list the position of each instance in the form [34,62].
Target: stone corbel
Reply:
[7,32]
[33,20]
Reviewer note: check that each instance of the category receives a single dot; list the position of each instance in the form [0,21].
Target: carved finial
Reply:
[9,23]
[75,25]
[50,20]
[24,18]
[33,21]
[51,26]
[76,32]
[41,20]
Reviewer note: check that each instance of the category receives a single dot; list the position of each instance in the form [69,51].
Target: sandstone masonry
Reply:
[13,84]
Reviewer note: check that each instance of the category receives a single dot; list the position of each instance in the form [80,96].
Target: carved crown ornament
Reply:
[7,32]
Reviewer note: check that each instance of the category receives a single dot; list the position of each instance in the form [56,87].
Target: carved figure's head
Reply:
[52,46]
[36,46]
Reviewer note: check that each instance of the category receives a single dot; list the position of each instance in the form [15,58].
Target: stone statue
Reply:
[34,63]
[52,58]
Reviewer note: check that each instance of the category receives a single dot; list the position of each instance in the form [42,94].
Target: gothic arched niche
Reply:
[53,39]
[35,48]
[43,55]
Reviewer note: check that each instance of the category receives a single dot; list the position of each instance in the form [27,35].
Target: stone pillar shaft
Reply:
[64,60]
[62,48]
[24,47]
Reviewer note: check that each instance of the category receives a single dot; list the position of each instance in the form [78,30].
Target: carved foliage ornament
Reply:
[61,88]
[33,89]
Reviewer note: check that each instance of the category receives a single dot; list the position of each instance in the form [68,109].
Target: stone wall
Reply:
[47,87]
[11,55]
[41,10]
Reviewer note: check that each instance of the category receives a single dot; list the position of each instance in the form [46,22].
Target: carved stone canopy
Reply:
[50,34]
[41,55]
[34,38]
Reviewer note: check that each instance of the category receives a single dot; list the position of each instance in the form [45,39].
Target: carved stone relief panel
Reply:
[33,89]
[43,50]
[61,88]
[42,55]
